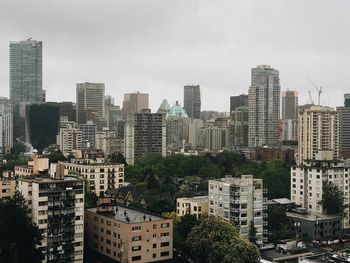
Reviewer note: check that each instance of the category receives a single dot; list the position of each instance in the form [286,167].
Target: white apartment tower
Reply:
[318,131]
[264,106]
[69,139]
[239,201]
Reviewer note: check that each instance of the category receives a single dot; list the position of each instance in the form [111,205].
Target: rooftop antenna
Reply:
[319,90]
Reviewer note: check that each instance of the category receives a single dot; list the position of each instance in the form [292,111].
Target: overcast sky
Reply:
[158,46]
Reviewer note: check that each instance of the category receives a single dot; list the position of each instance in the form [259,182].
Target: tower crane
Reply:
[311,101]
[319,90]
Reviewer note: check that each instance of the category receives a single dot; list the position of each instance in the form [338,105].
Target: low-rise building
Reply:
[35,167]
[7,185]
[128,235]
[100,175]
[197,206]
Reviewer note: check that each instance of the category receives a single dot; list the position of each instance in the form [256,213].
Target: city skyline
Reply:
[218,55]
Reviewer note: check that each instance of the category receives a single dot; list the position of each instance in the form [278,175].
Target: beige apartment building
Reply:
[318,131]
[56,206]
[197,206]
[35,167]
[100,175]
[128,235]
[7,185]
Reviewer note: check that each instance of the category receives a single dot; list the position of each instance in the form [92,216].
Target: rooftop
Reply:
[312,217]
[47,178]
[122,213]
[200,199]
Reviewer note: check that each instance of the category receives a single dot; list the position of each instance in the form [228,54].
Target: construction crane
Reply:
[311,101]
[319,90]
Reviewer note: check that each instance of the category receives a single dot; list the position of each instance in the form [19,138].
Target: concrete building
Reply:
[144,133]
[192,101]
[25,79]
[197,206]
[238,101]
[289,105]
[164,107]
[100,175]
[90,99]
[69,139]
[344,127]
[239,201]
[135,103]
[216,138]
[109,143]
[34,167]
[194,131]
[308,178]
[290,130]
[67,109]
[127,235]
[88,134]
[318,131]
[239,126]
[56,206]
[7,185]
[176,128]
[264,106]
[6,124]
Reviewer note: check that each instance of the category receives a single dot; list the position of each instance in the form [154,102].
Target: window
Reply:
[137,238]
[164,254]
[154,226]
[154,255]
[136,248]
[136,258]
[164,225]
[154,245]
[165,234]
[154,235]
[136,228]
[164,244]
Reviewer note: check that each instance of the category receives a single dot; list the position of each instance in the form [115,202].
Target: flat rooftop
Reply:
[312,217]
[47,178]
[134,216]
[200,199]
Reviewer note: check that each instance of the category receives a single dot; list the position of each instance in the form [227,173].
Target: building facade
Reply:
[239,125]
[69,139]
[176,128]
[197,206]
[88,134]
[238,101]
[135,103]
[344,127]
[144,133]
[264,106]
[239,201]
[6,124]
[192,101]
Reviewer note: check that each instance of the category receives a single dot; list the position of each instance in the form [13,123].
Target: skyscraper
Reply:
[289,105]
[344,127]
[90,102]
[145,133]
[238,101]
[25,79]
[192,101]
[6,124]
[135,102]
[264,106]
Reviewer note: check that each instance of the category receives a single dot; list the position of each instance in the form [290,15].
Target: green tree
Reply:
[277,225]
[55,157]
[117,158]
[182,229]
[216,240]
[18,237]
[90,198]
[333,200]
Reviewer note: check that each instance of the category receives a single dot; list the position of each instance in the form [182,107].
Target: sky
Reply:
[158,46]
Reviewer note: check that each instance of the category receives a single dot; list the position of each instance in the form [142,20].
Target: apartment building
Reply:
[197,206]
[307,181]
[100,175]
[318,131]
[56,206]
[34,167]
[7,185]
[70,139]
[240,202]
[128,235]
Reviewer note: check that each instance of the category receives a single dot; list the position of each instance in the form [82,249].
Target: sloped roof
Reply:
[177,111]
[164,107]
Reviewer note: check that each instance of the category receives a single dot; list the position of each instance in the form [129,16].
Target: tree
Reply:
[90,198]
[216,240]
[117,158]
[19,239]
[277,225]
[333,200]
[182,228]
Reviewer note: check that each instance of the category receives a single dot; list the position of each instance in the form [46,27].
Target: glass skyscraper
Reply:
[192,101]
[25,79]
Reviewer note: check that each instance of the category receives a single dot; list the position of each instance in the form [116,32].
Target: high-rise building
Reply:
[216,138]
[194,131]
[318,131]
[145,133]
[6,124]
[56,206]
[164,107]
[192,101]
[88,134]
[135,102]
[289,105]
[239,201]
[41,124]
[90,102]
[238,101]
[264,106]
[344,128]
[69,139]
[25,79]
[176,127]
[67,109]
[239,125]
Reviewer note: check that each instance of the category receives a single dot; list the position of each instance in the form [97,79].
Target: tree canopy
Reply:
[333,200]
[216,240]
[18,237]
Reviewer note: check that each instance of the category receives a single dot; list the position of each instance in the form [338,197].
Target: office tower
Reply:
[127,235]
[164,107]
[318,131]
[197,206]
[69,139]
[344,128]
[239,201]
[99,174]
[308,178]
[90,103]
[67,109]
[113,113]
[135,103]
[6,124]
[216,138]
[41,124]
[88,133]
[264,106]
[25,79]
[145,133]
[176,127]
[238,101]
[194,130]
[56,206]
[192,101]
[289,105]
[239,125]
